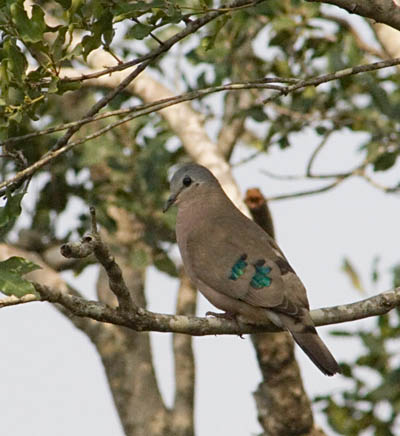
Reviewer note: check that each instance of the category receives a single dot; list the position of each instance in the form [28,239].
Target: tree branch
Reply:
[324,78]
[145,320]
[13,300]
[191,132]
[183,410]
[93,244]
[382,11]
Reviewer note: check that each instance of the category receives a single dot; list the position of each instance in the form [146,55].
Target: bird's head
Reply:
[188,182]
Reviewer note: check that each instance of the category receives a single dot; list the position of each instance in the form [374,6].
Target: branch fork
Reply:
[93,244]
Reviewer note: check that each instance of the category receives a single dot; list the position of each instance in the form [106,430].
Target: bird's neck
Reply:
[195,211]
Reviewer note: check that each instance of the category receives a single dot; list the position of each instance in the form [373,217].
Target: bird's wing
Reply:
[234,256]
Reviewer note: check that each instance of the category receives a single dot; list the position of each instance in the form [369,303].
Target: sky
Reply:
[52,378]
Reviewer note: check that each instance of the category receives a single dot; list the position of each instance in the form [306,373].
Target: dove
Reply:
[237,266]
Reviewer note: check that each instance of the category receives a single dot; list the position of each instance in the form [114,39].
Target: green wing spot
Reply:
[239,267]
[260,278]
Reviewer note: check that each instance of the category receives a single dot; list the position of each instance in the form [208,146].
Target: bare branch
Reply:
[316,152]
[375,184]
[315,81]
[13,300]
[308,192]
[145,320]
[94,244]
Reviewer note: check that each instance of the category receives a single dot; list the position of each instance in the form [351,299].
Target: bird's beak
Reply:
[169,202]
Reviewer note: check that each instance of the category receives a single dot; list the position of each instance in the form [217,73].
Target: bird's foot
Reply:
[224,315]
[230,316]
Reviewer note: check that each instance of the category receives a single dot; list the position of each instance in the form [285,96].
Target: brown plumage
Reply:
[237,266]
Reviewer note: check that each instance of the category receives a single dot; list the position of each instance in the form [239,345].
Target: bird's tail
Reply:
[316,350]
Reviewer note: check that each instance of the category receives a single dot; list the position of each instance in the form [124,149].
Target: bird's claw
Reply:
[225,315]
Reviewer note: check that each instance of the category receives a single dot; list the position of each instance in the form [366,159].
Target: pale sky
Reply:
[52,378]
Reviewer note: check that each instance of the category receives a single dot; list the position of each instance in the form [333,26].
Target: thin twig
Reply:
[375,184]
[147,108]
[308,192]
[316,151]
[315,81]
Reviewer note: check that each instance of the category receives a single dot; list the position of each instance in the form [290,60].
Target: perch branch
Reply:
[145,320]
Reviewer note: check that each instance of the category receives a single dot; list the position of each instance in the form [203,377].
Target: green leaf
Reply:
[10,212]
[209,41]
[11,272]
[375,269]
[140,31]
[165,264]
[30,29]
[385,161]
[18,265]
[139,258]
[396,275]
[90,43]
[379,96]
[16,62]
[353,275]
[58,45]
[340,333]
[13,284]
[63,86]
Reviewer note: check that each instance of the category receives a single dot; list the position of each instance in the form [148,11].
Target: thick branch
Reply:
[183,411]
[381,11]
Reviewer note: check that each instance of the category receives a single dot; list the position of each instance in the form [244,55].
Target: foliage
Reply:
[11,272]
[373,401]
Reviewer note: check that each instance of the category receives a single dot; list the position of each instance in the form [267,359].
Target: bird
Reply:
[237,266]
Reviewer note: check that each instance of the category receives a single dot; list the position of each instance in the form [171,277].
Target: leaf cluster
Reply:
[373,401]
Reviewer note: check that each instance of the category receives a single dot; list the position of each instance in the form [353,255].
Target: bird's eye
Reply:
[187,181]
